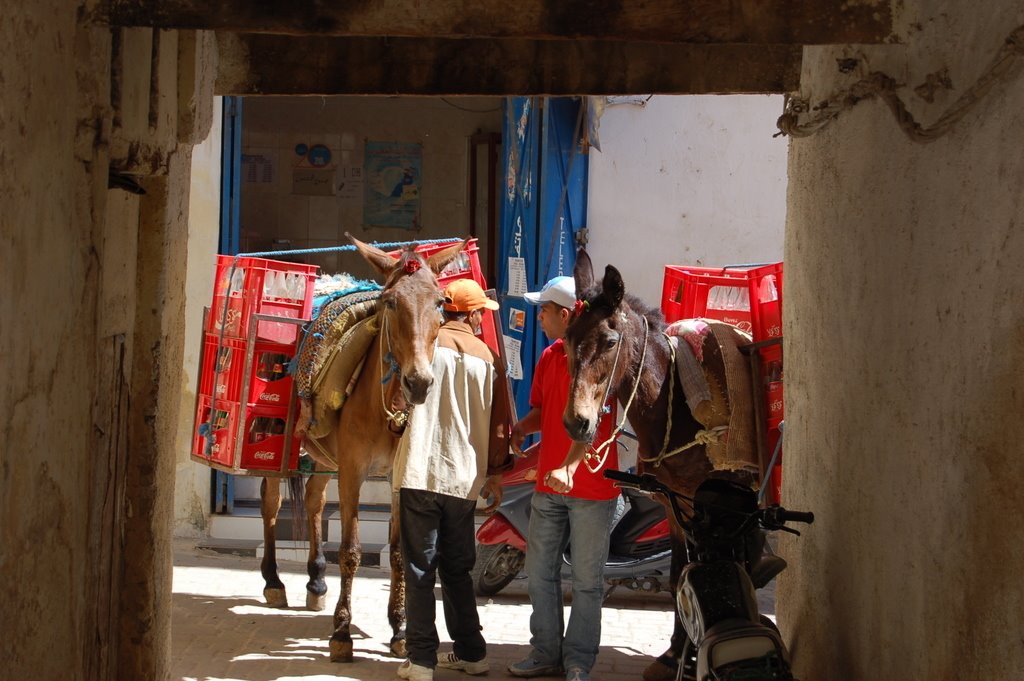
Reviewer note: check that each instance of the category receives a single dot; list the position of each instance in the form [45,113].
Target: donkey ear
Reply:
[378,259]
[440,260]
[612,286]
[583,272]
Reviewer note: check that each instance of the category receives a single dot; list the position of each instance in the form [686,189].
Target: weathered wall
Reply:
[274,125]
[904,327]
[687,181]
[48,341]
[89,323]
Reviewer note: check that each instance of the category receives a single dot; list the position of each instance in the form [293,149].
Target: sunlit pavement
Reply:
[223,631]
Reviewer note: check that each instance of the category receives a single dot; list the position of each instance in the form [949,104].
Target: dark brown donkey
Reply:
[616,345]
[408,316]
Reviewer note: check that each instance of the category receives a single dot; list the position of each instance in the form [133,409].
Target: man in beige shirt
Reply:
[452,450]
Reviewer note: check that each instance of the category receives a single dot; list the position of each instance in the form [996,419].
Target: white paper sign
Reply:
[513,355]
[516,277]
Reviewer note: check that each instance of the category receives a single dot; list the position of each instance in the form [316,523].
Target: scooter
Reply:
[728,638]
[639,556]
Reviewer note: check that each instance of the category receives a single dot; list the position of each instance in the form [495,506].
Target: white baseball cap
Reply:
[560,291]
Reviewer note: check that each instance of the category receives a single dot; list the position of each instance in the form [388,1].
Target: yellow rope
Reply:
[703,437]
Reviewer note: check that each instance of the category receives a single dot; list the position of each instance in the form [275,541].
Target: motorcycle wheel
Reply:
[496,566]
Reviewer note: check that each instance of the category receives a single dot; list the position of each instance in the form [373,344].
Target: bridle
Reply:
[399,417]
[600,453]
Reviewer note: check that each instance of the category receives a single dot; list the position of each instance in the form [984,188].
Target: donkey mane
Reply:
[594,295]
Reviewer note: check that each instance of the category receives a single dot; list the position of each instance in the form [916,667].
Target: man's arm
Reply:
[560,479]
[526,425]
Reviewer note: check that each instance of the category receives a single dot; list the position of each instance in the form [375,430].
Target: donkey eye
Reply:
[390,303]
[611,342]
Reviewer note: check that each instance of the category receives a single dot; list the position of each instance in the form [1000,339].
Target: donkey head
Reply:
[597,346]
[410,310]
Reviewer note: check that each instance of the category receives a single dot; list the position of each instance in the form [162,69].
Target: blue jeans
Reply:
[557,521]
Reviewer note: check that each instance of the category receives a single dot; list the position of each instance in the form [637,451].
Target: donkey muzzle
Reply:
[415,387]
[580,428]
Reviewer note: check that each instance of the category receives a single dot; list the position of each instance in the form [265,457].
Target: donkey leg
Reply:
[316,565]
[270,505]
[396,601]
[666,665]
[348,560]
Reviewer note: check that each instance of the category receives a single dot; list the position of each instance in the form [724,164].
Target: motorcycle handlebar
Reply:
[782,515]
[773,517]
[646,482]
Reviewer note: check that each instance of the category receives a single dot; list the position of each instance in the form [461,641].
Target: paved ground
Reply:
[222,630]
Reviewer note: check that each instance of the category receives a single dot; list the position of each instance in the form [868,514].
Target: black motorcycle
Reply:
[729,640]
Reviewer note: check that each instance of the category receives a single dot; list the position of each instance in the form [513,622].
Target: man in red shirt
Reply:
[579,518]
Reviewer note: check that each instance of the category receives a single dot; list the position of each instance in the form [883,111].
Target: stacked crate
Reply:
[749,298]
[245,404]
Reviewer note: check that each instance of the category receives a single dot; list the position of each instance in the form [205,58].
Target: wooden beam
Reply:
[793,22]
[256,64]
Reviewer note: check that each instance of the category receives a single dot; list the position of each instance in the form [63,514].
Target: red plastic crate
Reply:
[750,298]
[248,286]
[264,440]
[772,380]
[223,429]
[223,371]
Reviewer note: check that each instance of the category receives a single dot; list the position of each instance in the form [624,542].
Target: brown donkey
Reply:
[617,346]
[408,316]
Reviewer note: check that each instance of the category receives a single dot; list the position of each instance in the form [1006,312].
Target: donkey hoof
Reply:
[398,647]
[341,651]
[314,602]
[275,598]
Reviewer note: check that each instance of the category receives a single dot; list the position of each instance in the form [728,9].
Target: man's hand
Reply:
[559,479]
[518,435]
[493,491]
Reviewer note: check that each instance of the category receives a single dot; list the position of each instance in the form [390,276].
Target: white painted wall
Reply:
[192,480]
[686,180]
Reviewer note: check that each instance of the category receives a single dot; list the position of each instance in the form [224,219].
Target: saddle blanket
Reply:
[716,381]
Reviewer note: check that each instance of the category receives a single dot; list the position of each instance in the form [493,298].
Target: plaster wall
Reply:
[696,180]
[904,345]
[88,334]
[48,295]
[273,126]
[192,481]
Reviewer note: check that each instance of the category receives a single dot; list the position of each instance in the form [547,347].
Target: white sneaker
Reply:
[452,661]
[415,672]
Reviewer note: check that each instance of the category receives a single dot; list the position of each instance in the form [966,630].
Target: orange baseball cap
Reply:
[465,295]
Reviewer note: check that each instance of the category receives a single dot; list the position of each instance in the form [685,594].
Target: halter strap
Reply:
[601,451]
[399,416]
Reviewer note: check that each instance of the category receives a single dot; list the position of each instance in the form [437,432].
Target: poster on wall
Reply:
[314,171]
[258,166]
[391,181]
